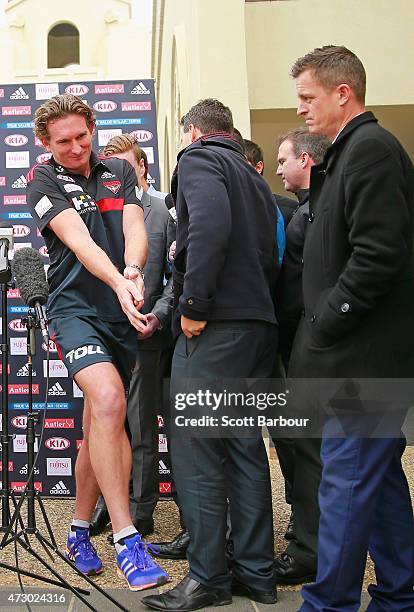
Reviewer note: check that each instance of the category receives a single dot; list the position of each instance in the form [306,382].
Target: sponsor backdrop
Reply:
[120,106]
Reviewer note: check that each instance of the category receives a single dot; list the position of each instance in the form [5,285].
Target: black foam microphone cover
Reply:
[30,276]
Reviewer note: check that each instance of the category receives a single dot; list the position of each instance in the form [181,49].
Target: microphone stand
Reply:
[5,284]
[22,536]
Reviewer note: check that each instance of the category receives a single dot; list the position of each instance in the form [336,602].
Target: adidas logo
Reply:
[59,489]
[20,183]
[140,89]
[24,470]
[150,180]
[19,94]
[56,389]
[108,175]
[24,371]
[162,467]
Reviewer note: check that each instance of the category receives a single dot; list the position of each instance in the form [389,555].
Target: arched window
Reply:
[62,46]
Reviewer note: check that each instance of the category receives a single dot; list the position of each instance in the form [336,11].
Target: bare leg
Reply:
[85,476]
[107,446]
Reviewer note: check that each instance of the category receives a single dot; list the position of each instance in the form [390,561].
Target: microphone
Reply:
[31,280]
[6,244]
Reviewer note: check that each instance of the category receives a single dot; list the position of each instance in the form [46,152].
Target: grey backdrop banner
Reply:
[119,106]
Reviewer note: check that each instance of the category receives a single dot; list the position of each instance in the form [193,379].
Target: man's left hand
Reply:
[135,276]
[192,328]
[151,327]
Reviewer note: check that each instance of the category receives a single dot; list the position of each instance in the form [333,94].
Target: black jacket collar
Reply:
[350,127]
[302,196]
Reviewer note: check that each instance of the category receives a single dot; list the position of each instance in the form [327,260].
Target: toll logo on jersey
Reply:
[83,351]
[84,203]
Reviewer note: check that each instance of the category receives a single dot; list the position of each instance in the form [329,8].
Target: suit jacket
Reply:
[158,297]
[358,275]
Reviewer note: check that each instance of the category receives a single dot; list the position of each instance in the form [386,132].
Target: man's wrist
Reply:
[136,267]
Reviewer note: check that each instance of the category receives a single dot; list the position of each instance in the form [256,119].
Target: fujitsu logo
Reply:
[82,351]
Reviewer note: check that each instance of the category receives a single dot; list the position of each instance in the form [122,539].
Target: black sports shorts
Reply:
[82,341]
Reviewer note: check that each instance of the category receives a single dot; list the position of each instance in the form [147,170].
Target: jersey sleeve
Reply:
[44,198]
[131,189]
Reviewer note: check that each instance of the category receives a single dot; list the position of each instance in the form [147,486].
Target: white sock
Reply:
[78,523]
[129,530]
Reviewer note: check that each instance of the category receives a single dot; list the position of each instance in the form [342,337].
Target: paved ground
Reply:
[287,602]
[166,519]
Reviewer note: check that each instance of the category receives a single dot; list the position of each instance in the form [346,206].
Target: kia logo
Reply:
[142,135]
[20,231]
[57,443]
[105,106]
[17,325]
[43,251]
[43,158]
[77,89]
[19,421]
[16,140]
[52,346]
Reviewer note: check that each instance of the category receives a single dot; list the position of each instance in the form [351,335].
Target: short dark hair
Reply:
[305,142]
[253,152]
[333,65]
[209,116]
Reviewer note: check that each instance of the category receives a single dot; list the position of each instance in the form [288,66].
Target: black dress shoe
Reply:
[243,590]
[187,595]
[290,571]
[100,518]
[176,549]
[290,531]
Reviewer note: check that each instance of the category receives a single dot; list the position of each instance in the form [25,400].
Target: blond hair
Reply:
[57,108]
[126,142]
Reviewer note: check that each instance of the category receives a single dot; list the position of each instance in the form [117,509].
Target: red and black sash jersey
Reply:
[99,200]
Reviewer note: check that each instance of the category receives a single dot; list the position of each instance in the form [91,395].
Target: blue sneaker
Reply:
[82,553]
[136,565]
